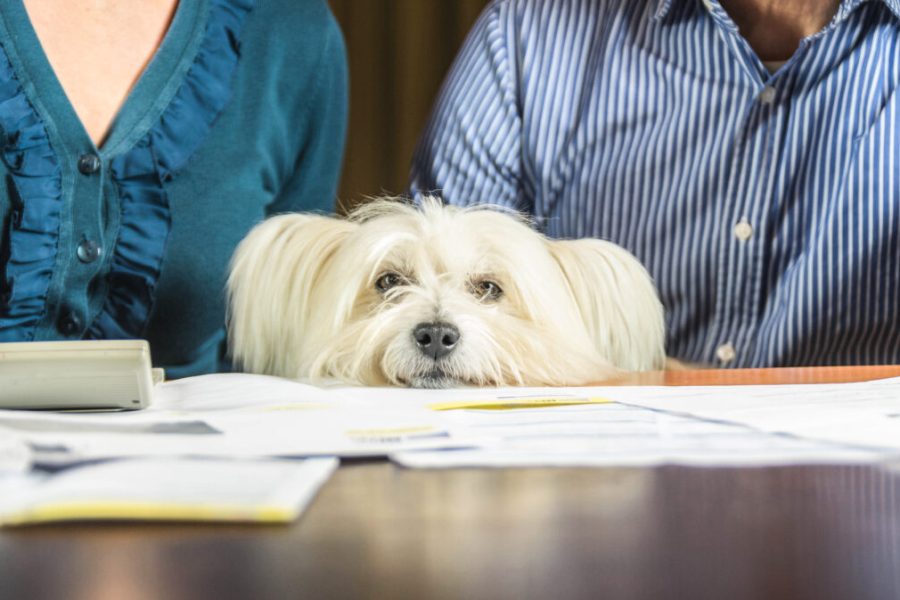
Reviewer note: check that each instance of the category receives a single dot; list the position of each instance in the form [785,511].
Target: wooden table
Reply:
[378,531]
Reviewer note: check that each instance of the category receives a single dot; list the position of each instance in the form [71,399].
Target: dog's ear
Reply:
[617,301]
[275,272]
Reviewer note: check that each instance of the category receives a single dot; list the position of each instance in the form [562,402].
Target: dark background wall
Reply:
[399,52]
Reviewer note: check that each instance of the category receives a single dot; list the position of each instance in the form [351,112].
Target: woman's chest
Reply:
[98,49]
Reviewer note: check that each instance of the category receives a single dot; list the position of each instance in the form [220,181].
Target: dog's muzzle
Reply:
[436,340]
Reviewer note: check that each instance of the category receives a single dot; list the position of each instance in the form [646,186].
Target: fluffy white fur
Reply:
[305,300]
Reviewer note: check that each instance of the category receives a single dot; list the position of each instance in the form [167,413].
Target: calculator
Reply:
[76,375]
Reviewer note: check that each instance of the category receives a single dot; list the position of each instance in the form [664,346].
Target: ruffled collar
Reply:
[36,205]
[141,174]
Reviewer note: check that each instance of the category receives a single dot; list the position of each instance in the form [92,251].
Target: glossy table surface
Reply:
[379,531]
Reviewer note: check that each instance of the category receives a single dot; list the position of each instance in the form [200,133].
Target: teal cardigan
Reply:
[240,114]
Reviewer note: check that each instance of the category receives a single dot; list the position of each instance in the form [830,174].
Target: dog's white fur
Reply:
[304,301]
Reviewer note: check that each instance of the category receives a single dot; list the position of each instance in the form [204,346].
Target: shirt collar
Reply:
[894,5]
[664,7]
[848,6]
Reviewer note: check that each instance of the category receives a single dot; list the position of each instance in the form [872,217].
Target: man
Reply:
[745,150]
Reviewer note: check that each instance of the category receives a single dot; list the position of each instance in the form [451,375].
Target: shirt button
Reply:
[725,353]
[88,164]
[767,96]
[88,251]
[69,324]
[743,231]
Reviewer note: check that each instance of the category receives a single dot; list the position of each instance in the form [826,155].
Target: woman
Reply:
[142,140]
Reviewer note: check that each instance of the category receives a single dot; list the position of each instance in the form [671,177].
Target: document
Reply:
[15,455]
[165,489]
[613,434]
[234,416]
[864,415]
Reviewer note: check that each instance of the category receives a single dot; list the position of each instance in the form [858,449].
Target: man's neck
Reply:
[774,28]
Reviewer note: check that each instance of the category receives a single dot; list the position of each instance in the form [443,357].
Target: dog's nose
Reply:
[436,339]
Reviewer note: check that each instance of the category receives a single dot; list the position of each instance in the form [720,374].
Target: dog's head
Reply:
[433,296]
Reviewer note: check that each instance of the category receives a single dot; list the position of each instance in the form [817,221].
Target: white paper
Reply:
[866,415]
[166,489]
[233,415]
[15,454]
[619,435]
[248,416]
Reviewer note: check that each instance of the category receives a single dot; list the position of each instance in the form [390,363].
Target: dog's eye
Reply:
[486,290]
[389,280]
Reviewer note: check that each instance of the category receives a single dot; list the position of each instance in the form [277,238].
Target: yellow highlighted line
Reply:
[142,511]
[410,430]
[514,403]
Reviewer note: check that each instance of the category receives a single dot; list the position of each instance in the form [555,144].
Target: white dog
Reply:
[437,296]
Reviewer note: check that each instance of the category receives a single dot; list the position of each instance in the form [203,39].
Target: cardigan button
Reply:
[69,324]
[88,164]
[88,251]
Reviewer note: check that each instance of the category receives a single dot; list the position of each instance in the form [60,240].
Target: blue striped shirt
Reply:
[765,205]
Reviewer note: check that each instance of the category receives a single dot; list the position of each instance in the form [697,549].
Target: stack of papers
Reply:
[618,435]
[863,414]
[245,447]
[237,416]
[166,489]
[627,426]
